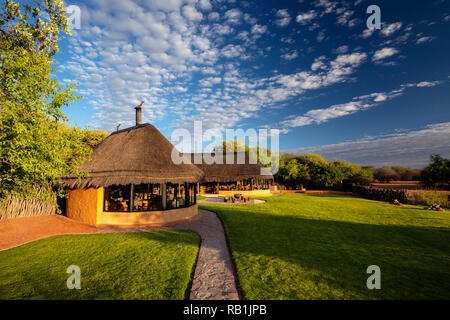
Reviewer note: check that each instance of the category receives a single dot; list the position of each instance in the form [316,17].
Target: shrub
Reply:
[381,194]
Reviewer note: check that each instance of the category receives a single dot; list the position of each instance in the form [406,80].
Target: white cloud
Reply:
[341,49]
[191,13]
[344,18]
[384,53]
[320,36]
[233,16]
[410,148]
[187,66]
[318,63]
[283,18]
[422,84]
[305,18]
[290,56]
[232,51]
[329,6]
[205,5]
[259,29]
[213,16]
[424,39]
[357,104]
[389,29]
[367,33]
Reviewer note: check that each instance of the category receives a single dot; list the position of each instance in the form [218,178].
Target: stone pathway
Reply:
[214,274]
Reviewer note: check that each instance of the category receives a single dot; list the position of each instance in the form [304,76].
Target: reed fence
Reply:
[13,207]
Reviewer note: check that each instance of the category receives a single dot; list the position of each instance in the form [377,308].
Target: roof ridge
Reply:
[132,128]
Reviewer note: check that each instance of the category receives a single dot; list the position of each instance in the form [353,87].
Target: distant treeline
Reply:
[396,173]
[314,172]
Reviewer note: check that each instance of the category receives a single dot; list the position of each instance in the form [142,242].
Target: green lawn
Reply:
[154,265]
[300,246]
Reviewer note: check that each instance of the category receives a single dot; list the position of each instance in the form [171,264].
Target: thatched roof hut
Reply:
[136,155]
[231,172]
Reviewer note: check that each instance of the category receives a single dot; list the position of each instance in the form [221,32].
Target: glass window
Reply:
[191,193]
[181,202]
[172,196]
[148,197]
[154,201]
[117,198]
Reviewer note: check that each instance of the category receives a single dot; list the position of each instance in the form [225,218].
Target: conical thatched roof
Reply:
[136,155]
[231,172]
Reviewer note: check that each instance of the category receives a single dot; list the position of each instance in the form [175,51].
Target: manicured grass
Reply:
[153,265]
[300,246]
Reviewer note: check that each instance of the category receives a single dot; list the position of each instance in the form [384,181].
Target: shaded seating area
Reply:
[231,173]
[149,197]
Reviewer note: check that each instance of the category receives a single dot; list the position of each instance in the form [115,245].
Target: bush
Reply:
[437,172]
[381,194]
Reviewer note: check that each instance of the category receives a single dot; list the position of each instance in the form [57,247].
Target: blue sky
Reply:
[311,69]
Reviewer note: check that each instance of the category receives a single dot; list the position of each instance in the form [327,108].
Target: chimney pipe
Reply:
[139,113]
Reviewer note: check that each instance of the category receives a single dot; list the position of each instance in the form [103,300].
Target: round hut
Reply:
[132,180]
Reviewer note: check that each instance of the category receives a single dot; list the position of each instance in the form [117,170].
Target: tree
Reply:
[353,173]
[92,138]
[325,174]
[262,155]
[316,172]
[438,171]
[292,172]
[35,151]
[386,174]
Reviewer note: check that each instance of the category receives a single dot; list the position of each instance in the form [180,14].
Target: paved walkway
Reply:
[214,275]
[17,231]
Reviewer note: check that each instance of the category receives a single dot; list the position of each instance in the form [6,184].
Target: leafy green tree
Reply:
[35,151]
[262,155]
[353,173]
[92,138]
[232,146]
[326,174]
[316,172]
[292,173]
[438,171]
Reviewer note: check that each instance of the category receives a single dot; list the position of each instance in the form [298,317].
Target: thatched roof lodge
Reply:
[132,180]
[235,172]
